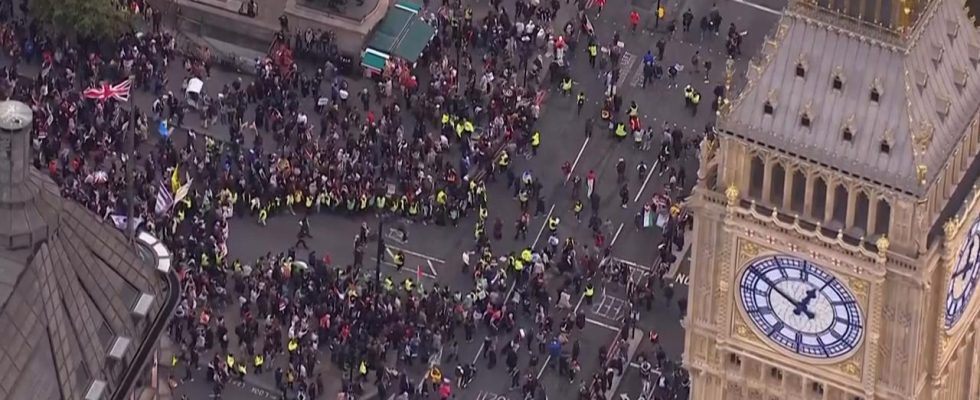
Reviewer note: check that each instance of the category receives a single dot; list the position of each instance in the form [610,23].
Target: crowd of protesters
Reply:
[468,116]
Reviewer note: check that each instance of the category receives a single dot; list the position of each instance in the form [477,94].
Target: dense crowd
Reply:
[352,155]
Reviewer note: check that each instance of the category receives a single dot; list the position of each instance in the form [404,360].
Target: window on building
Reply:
[848,134]
[775,373]
[800,70]
[816,387]
[768,108]
[838,83]
[734,359]
[885,148]
[805,120]
[875,95]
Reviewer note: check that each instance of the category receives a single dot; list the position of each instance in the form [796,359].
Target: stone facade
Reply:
[893,248]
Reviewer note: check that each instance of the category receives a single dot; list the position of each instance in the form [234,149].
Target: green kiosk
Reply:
[401,34]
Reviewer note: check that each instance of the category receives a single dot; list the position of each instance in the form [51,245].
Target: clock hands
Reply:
[804,305]
[774,287]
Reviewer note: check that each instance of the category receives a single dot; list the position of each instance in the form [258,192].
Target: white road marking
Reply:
[419,255]
[432,268]
[759,7]
[602,324]
[645,181]
[616,236]
[577,158]
[405,270]
[579,304]
[543,224]
[632,264]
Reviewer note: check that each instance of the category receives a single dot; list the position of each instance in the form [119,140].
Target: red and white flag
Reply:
[106,91]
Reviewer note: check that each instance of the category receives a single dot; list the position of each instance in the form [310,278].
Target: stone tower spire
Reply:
[26,218]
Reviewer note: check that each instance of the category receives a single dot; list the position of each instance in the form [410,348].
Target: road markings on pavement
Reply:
[406,270]
[610,307]
[428,260]
[543,224]
[602,324]
[645,181]
[577,158]
[490,396]
[419,255]
[759,7]
[616,236]
[676,266]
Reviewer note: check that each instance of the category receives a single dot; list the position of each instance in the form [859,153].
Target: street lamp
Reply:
[130,154]
[381,252]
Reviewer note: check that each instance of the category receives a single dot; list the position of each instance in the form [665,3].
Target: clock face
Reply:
[801,307]
[963,282]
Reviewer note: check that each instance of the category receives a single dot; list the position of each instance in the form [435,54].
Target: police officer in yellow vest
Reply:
[389,284]
[263,215]
[242,370]
[468,127]
[695,100]
[593,50]
[292,346]
[408,284]
[230,360]
[504,160]
[634,110]
[459,129]
[363,370]
[688,94]
[553,224]
[621,131]
[258,362]
[535,142]
[566,86]
[589,293]
[526,255]
[399,260]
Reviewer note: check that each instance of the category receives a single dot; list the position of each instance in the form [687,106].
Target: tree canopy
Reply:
[91,19]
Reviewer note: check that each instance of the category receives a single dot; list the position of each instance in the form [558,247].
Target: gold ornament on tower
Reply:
[731,194]
[882,243]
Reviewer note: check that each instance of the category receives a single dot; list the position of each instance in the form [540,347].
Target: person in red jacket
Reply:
[634,19]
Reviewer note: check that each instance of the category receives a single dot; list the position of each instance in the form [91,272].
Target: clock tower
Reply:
[837,213]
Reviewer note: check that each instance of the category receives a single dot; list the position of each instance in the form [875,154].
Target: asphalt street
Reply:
[435,252]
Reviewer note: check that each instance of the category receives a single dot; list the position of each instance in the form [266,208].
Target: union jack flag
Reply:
[106,91]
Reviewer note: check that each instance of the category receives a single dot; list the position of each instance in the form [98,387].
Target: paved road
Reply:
[437,250]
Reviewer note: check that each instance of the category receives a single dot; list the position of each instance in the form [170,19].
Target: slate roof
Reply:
[68,282]
[926,79]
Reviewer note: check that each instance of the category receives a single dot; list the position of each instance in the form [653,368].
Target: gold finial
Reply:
[732,194]
[949,228]
[920,173]
[726,102]
[882,244]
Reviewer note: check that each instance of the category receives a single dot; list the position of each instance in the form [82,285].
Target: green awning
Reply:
[372,59]
[402,33]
